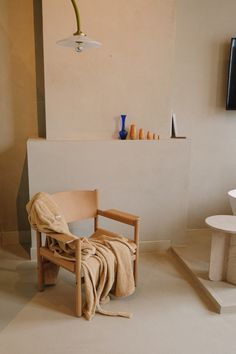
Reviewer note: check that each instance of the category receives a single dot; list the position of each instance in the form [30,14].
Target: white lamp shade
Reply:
[79,42]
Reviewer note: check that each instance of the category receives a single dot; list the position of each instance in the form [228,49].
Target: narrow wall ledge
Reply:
[127,141]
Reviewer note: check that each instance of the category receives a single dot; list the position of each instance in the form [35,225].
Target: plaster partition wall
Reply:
[18,114]
[85,93]
[146,178]
[203,33]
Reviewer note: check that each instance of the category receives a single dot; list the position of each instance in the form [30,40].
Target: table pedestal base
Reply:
[219,255]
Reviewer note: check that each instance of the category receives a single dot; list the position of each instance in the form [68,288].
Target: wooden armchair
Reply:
[80,205]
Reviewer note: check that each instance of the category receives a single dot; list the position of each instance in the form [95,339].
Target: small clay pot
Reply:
[149,136]
[141,134]
[133,133]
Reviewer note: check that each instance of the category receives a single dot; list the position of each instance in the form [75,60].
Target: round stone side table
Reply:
[223,248]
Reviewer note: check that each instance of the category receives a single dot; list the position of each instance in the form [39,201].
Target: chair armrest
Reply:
[119,216]
[65,238]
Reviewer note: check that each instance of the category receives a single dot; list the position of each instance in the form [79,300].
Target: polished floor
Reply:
[169,317]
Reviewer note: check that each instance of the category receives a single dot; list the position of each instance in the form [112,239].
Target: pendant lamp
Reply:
[79,41]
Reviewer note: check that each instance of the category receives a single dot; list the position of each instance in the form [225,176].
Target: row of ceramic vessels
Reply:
[140,135]
[133,134]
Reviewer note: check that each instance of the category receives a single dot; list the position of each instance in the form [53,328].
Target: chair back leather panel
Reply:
[77,205]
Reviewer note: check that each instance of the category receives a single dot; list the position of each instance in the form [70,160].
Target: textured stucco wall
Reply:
[17,108]
[203,33]
[157,56]
[130,73]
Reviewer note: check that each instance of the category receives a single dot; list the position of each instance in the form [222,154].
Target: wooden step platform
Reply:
[195,259]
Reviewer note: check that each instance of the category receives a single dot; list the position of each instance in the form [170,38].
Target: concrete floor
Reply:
[17,282]
[169,317]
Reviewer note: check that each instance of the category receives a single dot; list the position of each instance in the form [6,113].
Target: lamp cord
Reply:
[78,32]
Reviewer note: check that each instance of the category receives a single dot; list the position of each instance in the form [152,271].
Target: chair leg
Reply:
[78,289]
[78,299]
[136,271]
[40,263]
[136,240]
[40,274]
[50,272]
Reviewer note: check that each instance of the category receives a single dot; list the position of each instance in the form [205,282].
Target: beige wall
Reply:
[146,178]
[137,72]
[17,108]
[203,33]
[130,73]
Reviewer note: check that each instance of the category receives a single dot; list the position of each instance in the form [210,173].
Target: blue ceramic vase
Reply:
[123,133]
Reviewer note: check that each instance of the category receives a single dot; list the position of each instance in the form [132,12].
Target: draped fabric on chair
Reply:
[107,261]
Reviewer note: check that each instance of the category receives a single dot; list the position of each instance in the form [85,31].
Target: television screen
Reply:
[231,91]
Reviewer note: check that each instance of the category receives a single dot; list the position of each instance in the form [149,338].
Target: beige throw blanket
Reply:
[106,261]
